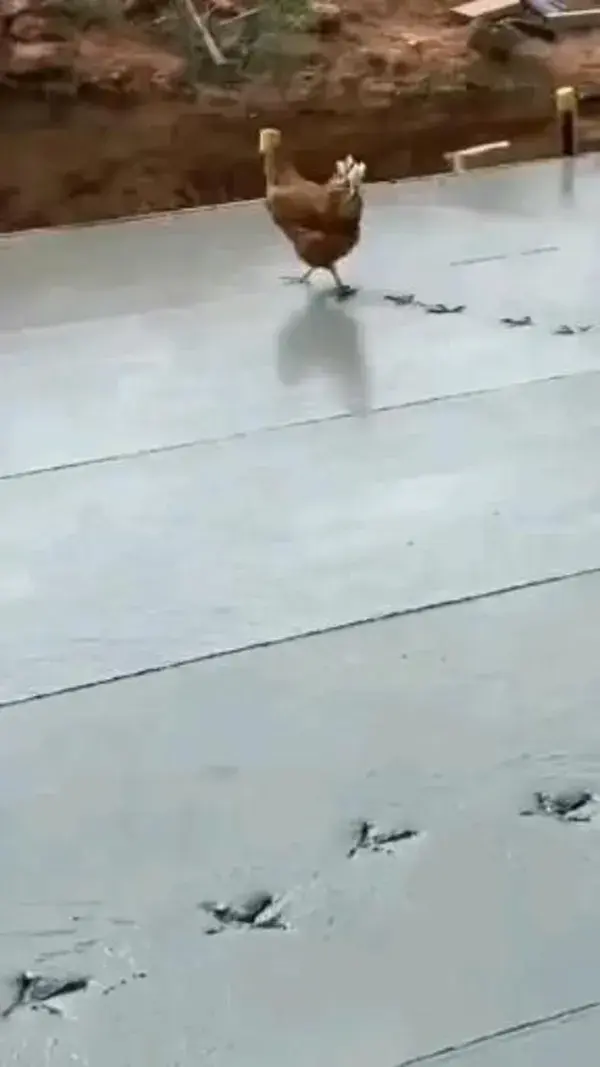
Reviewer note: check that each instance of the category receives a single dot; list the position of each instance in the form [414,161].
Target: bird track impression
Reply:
[570,331]
[36,990]
[259,911]
[569,805]
[368,838]
[124,981]
[410,300]
[443,309]
[262,910]
[525,321]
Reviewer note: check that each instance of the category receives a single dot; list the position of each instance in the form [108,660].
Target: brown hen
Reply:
[321,221]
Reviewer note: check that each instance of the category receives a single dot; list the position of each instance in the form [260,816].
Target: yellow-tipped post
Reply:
[268,139]
[565,100]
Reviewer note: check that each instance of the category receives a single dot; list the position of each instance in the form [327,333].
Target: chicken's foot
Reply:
[298,279]
[342,292]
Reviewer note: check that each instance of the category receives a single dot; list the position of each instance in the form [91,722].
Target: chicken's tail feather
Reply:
[351,171]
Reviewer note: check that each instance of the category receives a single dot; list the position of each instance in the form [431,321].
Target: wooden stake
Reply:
[565,100]
[459,158]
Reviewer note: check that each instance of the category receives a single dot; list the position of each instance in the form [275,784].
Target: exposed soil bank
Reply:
[99,122]
[81,161]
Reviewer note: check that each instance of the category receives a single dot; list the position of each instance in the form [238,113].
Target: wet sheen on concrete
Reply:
[239,463]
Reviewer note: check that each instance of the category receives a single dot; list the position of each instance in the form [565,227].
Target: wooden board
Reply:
[474,9]
[564,21]
[580,5]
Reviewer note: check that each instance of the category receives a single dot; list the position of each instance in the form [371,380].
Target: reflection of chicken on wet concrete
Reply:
[258,911]
[368,838]
[35,990]
[321,338]
[569,805]
[321,220]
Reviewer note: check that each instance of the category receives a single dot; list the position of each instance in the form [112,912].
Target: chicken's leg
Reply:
[343,292]
[298,279]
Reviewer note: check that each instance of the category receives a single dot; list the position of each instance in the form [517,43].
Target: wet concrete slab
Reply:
[265,462]
[190,335]
[121,567]
[241,464]
[135,802]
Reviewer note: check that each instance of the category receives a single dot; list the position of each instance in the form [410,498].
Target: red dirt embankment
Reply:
[100,120]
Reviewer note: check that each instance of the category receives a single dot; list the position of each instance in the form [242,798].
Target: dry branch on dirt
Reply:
[206,40]
[141,105]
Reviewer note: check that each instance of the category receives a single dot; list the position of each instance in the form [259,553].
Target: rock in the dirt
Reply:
[495,41]
[32,27]
[326,17]
[142,7]
[375,61]
[9,9]
[224,9]
[39,57]
[27,27]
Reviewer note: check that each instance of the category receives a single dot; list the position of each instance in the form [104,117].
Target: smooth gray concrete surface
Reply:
[178,332]
[154,333]
[196,459]
[113,568]
[135,802]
